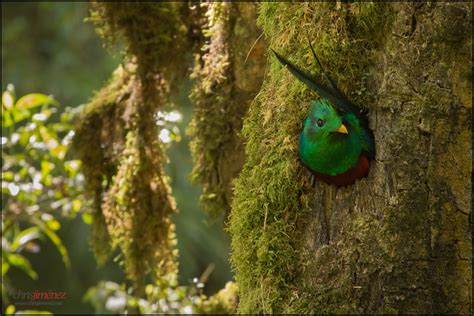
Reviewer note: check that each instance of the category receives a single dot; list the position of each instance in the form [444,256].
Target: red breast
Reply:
[349,177]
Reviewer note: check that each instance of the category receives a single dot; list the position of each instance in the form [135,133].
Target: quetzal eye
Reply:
[320,122]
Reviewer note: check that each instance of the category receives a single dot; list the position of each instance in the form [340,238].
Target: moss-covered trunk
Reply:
[398,240]
[228,76]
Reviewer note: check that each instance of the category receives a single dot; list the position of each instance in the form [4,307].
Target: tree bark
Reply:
[398,241]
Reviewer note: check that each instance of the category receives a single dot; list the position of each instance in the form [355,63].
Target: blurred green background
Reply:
[47,48]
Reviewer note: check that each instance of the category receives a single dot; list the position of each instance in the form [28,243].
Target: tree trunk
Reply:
[398,241]
[229,75]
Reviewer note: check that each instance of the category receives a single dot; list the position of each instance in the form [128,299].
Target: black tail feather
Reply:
[333,84]
[336,97]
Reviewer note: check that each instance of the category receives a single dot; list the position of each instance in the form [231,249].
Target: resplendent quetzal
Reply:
[336,144]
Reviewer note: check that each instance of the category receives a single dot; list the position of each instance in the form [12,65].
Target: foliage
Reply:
[60,36]
[39,181]
[49,40]
[165,297]
[397,247]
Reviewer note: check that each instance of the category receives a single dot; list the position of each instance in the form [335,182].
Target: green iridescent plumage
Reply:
[336,143]
[322,146]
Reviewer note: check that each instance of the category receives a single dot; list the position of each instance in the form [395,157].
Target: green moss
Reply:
[123,164]
[138,208]
[147,29]
[220,98]
[265,209]
[117,138]
[211,126]
[273,190]
[99,162]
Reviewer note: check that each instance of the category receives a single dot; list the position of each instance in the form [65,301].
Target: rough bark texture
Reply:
[398,241]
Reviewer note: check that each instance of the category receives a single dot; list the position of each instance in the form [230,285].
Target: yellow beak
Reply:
[342,129]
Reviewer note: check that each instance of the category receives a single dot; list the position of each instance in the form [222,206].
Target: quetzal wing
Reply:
[363,132]
[336,99]
[368,144]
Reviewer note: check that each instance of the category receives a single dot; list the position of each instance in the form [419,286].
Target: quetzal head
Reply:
[323,120]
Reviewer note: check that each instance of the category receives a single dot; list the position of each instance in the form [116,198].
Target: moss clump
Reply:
[99,126]
[221,95]
[272,193]
[138,208]
[211,127]
[153,33]
[117,137]
[123,164]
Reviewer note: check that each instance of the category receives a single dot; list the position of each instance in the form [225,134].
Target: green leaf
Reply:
[55,239]
[72,167]
[7,119]
[58,151]
[25,236]
[24,137]
[32,312]
[53,224]
[46,167]
[22,263]
[20,115]
[8,176]
[34,100]
[87,218]
[5,267]
[76,205]
[10,310]
[5,189]
[48,136]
